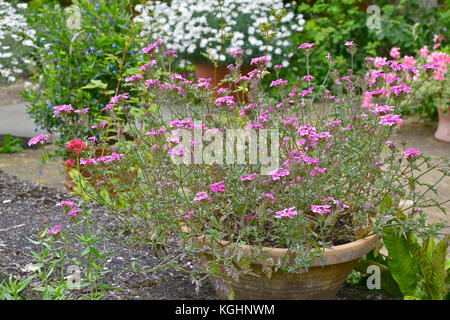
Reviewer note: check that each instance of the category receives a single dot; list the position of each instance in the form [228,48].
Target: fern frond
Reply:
[439,276]
[402,266]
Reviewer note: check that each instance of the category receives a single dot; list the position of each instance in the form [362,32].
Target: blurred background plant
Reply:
[16,41]
[10,144]
[330,23]
[80,52]
[211,27]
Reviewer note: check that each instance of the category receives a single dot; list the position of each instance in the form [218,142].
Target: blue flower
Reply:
[99,51]
[113,45]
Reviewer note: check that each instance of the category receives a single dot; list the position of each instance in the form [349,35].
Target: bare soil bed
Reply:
[24,206]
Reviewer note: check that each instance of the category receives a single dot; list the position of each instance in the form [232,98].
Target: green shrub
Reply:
[80,57]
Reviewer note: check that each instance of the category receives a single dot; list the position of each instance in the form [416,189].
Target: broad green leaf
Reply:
[402,266]
[95,84]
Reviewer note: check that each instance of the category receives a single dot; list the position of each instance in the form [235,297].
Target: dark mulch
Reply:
[24,206]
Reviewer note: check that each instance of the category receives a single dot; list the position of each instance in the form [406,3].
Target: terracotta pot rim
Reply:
[338,254]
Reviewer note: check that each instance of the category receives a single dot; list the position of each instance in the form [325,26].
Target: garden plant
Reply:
[327,176]
[280,180]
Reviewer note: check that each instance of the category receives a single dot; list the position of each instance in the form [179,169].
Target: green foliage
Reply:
[387,282]
[11,289]
[80,64]
[10,145]
[419,270]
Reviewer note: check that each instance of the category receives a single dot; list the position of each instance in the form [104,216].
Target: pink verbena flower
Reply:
[248,177]
[321,209]
[134,78]
[423,52]
[202,196]
[269,196]
[65,109]
[379,62]
[54,231]
[82,111]
[306,45]
[376,109]
[260,60]
[395,52]
[147,65]
[149,49]
[235,53]
[218,186]
[226,100]
[41,139]
[286,213]
[278,173]
[390,120]
[409,61]
[73,212]
[171,53]
[410,153]
[279,83]
[68,204]
[188,215]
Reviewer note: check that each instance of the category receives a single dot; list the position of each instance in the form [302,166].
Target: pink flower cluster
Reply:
[134,78]
[410,153]
[105,159]
[65,109]
[41,139]
[218,186]
[286,213]
[390,120]
[54,231]
[70,207]
[226,100]
[149,49]
[202,196]
[278,173]
[260,60]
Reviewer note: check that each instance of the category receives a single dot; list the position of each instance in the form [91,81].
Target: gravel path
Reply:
[25,206]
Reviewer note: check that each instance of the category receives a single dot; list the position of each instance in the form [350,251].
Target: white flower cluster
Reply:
[193,26]
[15,37]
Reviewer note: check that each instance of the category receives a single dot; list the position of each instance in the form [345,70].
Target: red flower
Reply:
[76,146]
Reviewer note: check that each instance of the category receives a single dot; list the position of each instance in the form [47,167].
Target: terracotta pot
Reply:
[320,282]
[206,70]
[443,130]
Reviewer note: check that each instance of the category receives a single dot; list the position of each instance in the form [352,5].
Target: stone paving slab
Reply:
[15,120]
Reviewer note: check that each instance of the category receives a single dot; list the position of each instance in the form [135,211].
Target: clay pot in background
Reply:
[443,131]
[206,70]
